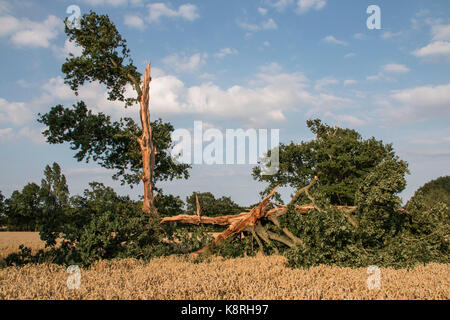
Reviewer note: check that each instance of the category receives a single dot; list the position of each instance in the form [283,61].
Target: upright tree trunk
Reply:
[146,143]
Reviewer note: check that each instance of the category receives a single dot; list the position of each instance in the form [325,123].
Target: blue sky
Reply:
[238,64]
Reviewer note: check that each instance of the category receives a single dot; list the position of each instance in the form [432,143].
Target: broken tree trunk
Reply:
[148,149]
[250,221]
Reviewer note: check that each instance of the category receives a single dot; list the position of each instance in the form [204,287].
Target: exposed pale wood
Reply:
[198,206]
[148,150]
[250,221]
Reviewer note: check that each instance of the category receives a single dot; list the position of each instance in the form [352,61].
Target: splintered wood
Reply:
[250,221]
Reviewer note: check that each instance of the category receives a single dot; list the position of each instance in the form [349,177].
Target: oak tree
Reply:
[340,157]
[136,153]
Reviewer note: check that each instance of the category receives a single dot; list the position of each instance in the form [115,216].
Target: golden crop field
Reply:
[258,277]
[10,241]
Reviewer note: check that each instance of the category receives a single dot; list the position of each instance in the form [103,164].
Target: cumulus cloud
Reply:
[159,10]
[349,82]
[113,3]
[134,21]
[306,5]
[346,119]
[280,5]
[417,104]
[320,84]
[25,33]
[182,63]
[6,134]
[332,39]
[302,6]
[69,47]
[395,68]
[350,55]
[440,32]
[389,35]
[262,11]
[270,95]
[5,6]
[269,24]
[439,47]
[14,112]
[359,36]
[225,52]
[434,49]
[391,69]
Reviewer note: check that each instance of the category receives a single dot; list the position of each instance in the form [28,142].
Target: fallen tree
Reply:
[250,221]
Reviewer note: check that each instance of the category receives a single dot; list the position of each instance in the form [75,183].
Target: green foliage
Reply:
[23,208]
[437,190]
[238,246]
[3,218]
[105,58]
[97,225]
[112,144]
[210,206]
[378,202]
[341,159]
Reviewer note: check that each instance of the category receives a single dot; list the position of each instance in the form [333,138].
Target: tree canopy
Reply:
[437,190]
[340,157]
[135,153]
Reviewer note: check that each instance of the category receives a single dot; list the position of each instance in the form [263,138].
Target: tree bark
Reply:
[251,220]
[148,150]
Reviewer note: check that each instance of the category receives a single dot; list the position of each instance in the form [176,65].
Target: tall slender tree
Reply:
[136,153]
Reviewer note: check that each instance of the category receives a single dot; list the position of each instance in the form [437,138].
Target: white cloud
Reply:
[389,35]
[225,52]
[359,36]
[375,77]
[34,135]
[395,68]
[184,63]
[349,82]
[206,76]
[272,93]
[417,104]
[134,21]
[113,3]
[441,32]
[70,47]
[303,6]
[26,33]
[325,82]
[280,5]
[426,97]
[158,10]
[6,134]
[346,119]
[434,49]
[350,55]
[306,5]
[269,24]
[331,39]
[439,47]
[5,6]
[391,68]
[14,112]
[262,11]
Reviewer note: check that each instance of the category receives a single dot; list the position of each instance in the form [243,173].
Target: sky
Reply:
[263,64]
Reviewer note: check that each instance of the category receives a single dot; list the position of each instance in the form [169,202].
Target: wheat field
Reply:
[258,278]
